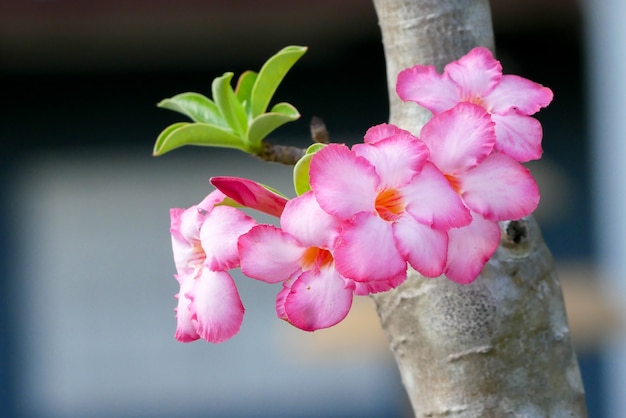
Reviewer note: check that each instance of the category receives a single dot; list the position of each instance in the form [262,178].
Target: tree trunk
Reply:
[500,346]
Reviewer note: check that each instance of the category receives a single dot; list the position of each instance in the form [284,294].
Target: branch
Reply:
[289,155]
[501,345]
[284,154]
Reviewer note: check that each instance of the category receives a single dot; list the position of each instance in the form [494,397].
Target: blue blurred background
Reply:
[86,285]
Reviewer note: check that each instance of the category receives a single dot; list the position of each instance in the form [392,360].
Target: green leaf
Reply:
[271,75]
[158,145]
[179,134]
[195,106]
[264,124]
[301,179]
[244,88]
[231,109]
[285,109]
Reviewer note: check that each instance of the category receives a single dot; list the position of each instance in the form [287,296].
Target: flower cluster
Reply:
[431,202]
[204,241]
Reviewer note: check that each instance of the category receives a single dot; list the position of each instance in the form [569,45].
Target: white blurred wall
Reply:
[95,305]
[606,55]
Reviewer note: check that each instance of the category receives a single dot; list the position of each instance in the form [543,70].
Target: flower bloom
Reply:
[314,295]
[492,185]
[395,200]
[395,207]
[477,78]
[204,243]
[250,194]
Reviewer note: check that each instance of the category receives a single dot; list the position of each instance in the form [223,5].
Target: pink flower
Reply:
[493,185]
[300,255]
[204,243]
[477,78]
[433,203]
[395,207]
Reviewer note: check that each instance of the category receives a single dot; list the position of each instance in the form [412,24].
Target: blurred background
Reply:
[86,282]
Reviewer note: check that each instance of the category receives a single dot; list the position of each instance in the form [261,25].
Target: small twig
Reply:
[319,133]
[284,154]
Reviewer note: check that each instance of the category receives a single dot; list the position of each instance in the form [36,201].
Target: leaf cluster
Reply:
[232,118]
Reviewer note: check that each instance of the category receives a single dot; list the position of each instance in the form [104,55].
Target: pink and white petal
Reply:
[423,85]
[185,230]
[382,131]
[175,223]
[185,223]
[377,286]
[344,184]
[190,221]
[477,73]
[518,136]
[219,235]
[212,199]
[186,253]
[469,249]
[318,300]
[251,194]
[425,248]
[269,254]
[518,93]
[459,138]
[432,201]
[216,306]
[306,221]
[500,189]
[396,159]
[366,250]
[281,298]
[185,326]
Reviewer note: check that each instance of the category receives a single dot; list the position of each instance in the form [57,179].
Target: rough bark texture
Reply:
[499,347]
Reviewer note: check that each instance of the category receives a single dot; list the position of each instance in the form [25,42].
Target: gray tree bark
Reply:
[499,347]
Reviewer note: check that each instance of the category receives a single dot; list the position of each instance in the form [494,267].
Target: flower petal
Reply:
[219,235]
[432,201]
[175,223]
[518,93]
[305,220]
[397,158]
[382,131]
[366,250]
[500,189]
[187,226]
[185,230]
[317,300]
[518,136]
[459,138]
[212,199]
[376,286]
[425,248]
[423,85]
[216,306]
[181,248]
[477,73]
[185,326]
[343,183]
[251,194]
[469,249]
[269,254]
[280,300]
